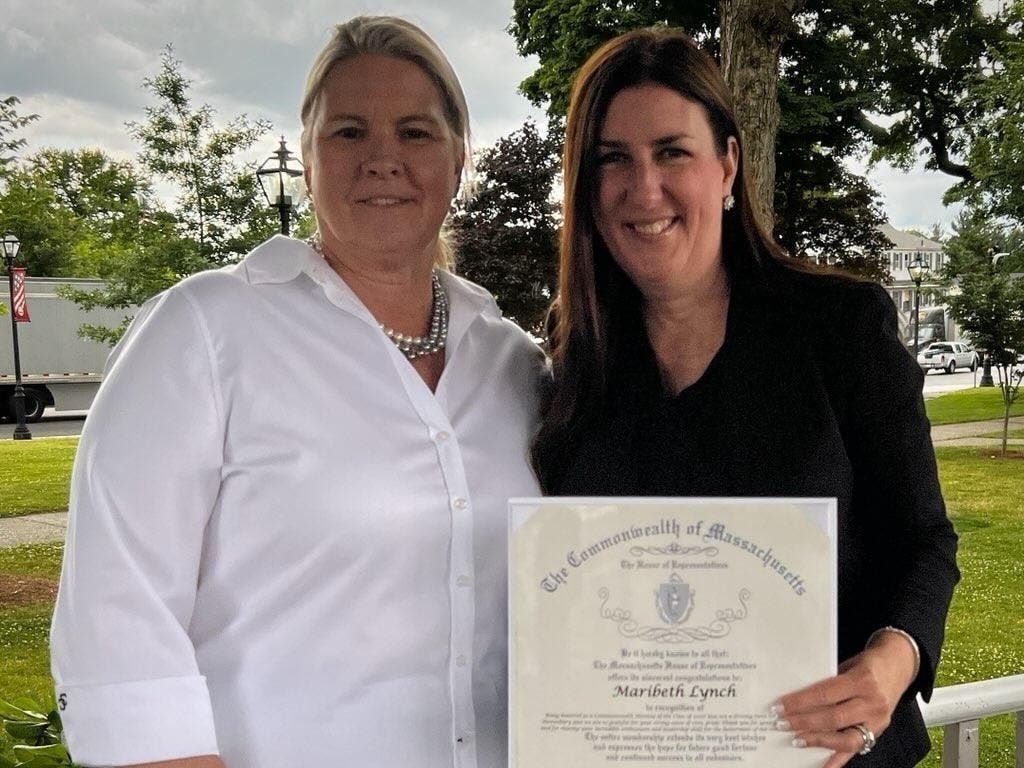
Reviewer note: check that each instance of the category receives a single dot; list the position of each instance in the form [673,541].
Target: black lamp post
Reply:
[11,246]
[917,269]
[986,369]
[276,179]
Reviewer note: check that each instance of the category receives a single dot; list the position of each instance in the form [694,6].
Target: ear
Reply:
[307,174]
[458,182]
[730,165]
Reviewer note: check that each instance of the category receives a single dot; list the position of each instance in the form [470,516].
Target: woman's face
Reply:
[661,182]
[382,165]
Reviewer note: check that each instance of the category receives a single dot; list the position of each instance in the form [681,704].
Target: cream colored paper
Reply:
[660,631]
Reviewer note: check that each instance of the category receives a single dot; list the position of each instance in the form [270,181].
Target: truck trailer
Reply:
[59,369]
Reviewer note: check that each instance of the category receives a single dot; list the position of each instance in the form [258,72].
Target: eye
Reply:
[611,158]
[672,152]
[349,132]
[416,133]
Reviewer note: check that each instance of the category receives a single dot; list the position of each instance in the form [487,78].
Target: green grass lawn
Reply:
[978,404]
[34,475]
[24,655]
[985,633]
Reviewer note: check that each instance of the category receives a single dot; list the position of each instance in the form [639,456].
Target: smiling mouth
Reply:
[651,228]
[383,202]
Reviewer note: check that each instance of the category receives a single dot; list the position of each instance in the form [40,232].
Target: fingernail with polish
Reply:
[783,725]
[777,709]
[798,742]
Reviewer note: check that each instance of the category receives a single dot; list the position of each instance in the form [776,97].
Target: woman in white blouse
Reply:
[288,528]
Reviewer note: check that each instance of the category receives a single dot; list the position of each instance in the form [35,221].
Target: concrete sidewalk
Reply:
[968,433]
[50,526]
[33,529]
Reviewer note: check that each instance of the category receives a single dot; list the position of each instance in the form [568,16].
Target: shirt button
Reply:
[460,503]
[462,581]
[442,436]
[460,660]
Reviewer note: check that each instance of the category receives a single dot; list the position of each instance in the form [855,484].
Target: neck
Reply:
[686,330]
[399,294]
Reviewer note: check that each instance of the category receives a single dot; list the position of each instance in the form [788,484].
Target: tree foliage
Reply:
[842,63]
[986,299]
[506,233]
[996,154]
[10,123]
[218,214]
[218,204]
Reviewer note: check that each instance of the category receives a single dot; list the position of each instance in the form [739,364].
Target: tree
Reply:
[752,35]
[47,231]
[218,206]
[218,214]
[11,121]
[506,234]
[852,240]
[77,212]
[837,65]
[986,300]
[996,156]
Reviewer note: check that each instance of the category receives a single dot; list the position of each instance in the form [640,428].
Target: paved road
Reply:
[67,424]
[939,382]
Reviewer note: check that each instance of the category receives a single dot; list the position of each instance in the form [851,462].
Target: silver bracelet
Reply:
[910,639]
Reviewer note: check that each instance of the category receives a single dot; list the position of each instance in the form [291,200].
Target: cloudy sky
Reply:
[80,66]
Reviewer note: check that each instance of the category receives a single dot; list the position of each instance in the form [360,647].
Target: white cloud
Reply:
[913,199]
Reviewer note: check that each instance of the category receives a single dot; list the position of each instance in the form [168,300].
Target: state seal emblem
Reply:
[674,600]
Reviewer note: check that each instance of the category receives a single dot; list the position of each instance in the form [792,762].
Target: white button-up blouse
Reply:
[283,547]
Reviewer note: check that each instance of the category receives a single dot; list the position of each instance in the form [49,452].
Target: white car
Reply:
[947,356]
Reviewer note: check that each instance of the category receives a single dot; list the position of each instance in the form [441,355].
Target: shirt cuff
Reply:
[141,721]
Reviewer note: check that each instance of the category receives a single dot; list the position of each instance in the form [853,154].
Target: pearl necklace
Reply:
[415,346]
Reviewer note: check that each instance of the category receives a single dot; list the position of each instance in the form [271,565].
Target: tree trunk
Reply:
[753,32]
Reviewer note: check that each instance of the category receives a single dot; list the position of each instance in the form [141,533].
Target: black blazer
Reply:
[811,394]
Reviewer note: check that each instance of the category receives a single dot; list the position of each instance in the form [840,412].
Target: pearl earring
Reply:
[729,202]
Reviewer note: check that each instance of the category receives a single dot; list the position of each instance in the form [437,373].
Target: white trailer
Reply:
[59,369]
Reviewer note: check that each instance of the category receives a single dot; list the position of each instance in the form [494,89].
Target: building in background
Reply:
[935,324]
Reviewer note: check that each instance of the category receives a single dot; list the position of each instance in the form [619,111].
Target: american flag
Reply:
[18,300]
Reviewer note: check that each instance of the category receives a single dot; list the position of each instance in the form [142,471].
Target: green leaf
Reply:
[20,709]
[21,730]
[42,757]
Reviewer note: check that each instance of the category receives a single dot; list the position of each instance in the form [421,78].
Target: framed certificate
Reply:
[646,631]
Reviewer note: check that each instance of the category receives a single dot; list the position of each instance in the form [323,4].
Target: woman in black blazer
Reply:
[693,358]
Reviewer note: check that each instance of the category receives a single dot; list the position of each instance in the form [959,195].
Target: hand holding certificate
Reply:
[662,630]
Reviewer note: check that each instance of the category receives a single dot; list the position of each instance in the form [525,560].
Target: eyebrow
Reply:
[414,118]
[659,142]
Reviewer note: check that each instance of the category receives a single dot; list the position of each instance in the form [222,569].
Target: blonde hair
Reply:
[399,39]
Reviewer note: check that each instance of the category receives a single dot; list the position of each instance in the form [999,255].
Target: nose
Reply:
[645,181]
[382,166]
[382,160]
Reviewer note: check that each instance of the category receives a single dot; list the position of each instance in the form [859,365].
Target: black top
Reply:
[811,394]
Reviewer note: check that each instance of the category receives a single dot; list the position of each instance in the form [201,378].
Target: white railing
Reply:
[959,709]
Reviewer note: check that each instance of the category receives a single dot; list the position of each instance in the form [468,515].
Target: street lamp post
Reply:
[21,432]
[276,179]
[986,370]
[917,269]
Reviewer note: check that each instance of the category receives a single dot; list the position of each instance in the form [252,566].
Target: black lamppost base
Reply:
[22,433]
[986,375]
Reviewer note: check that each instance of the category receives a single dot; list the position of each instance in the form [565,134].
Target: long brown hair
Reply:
[598,307]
